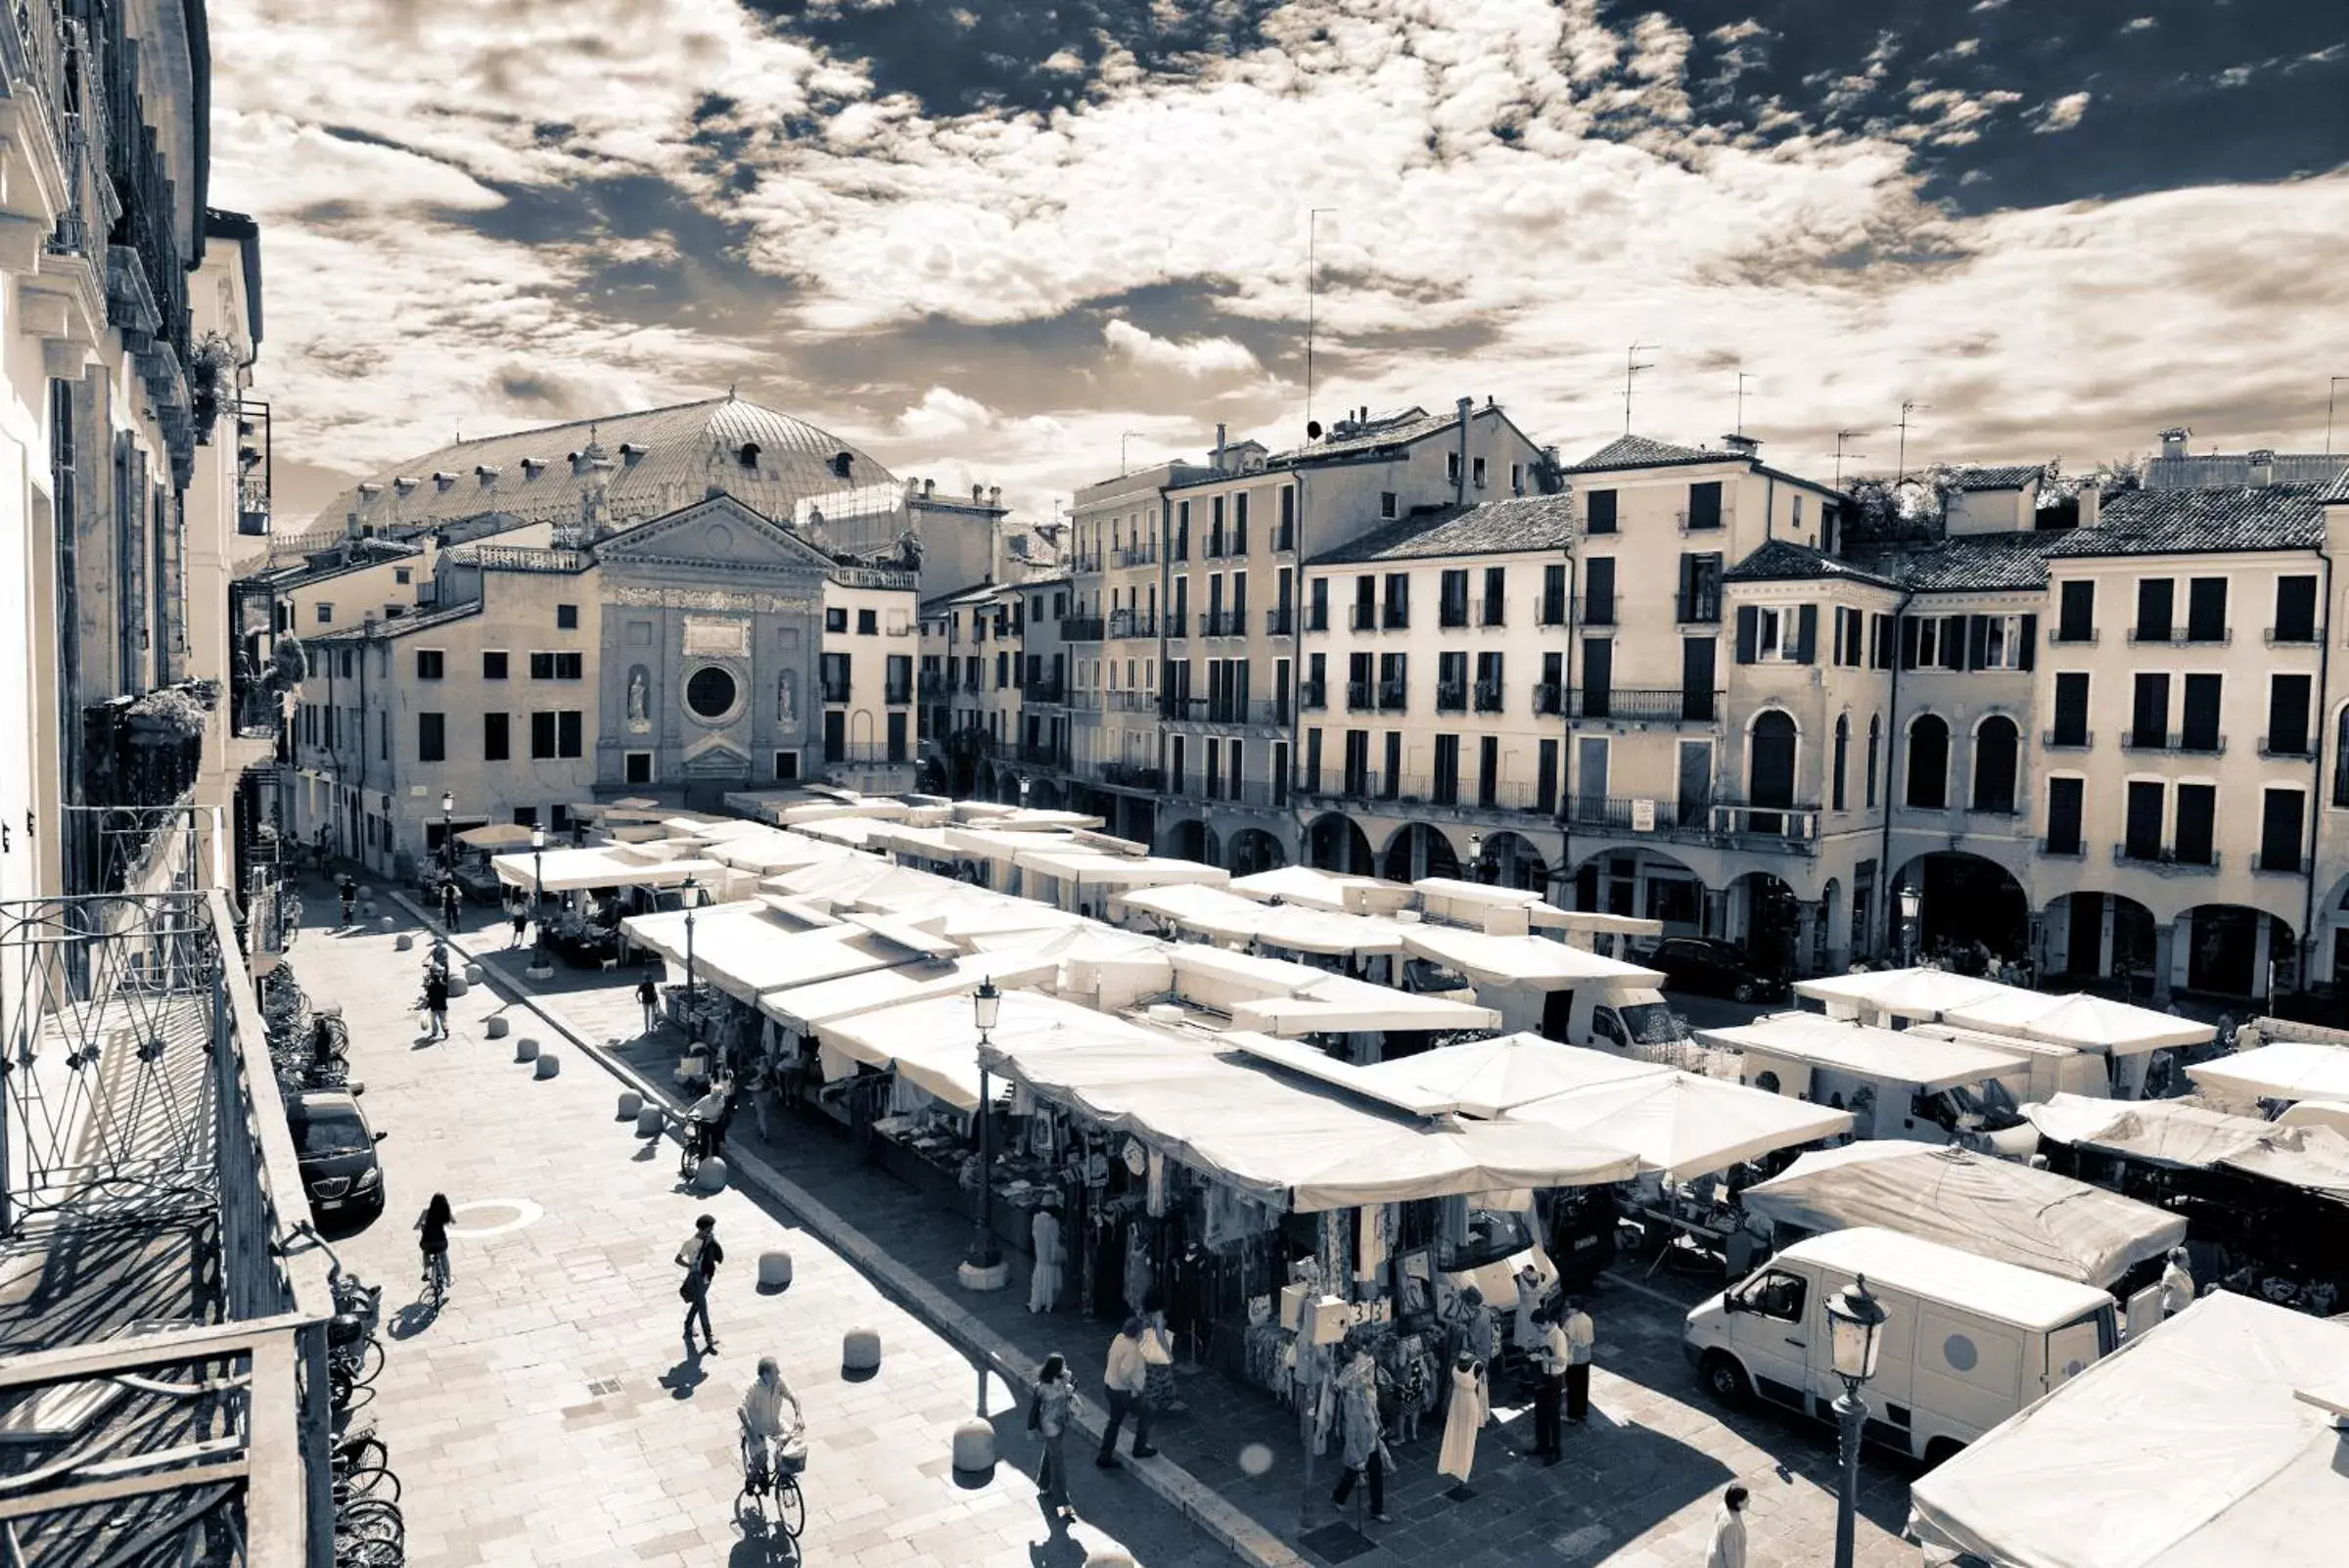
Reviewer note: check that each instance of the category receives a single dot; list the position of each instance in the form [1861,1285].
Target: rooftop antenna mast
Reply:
[2332,390]
[1742,379]
[1312,244]
[1901,463]
[1124,437]
[1841,438]
[1633,364]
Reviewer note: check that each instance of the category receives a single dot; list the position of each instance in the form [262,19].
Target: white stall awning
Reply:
[2080,1021]
[1489,1077]
[609,866]
[1537,962]
[803,1007]
[1681,1124]
[1875,1053]
[1323,890]
[2286,1070]
[745,955]
[1905,993]
[1334,1004]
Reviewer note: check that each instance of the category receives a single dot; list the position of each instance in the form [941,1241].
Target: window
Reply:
[1771,634]
[2071,710]
[2142,829]
[1553,594]
[1700,590]
[2340,759]
[404,576]
[2194,840]
[2153,600]
[1451,682]
[1928,763]
[1452,603]
[1446,791]
[1843,748]
[868,624]
[2295,610]
[2076,616]
[1451,468]
[1999,642]
[1398,600]
[542,736]
[2064,796]
[1599,512]
[2206,610]
[567,617]
[1851,630]
[1496,597]
[1285,538]
[1317,614]
[496,743]
[836,619]
[1997,749]
[710,693]
[432,737]
[1704,505]
[1699,659]
[787,766]
[1875,738]
[493,666]
[1780,1297]
[1476,472]
[568,733]
[1599,597]
[429,664]
[835,677]
[2150,713]
[1386,503]
[636,767]
[569,666]
[2280,830]
[2287,715]
[1933,642]
[2198,728]
[542,667]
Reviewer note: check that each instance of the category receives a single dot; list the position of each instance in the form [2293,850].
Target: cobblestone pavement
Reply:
[548,1415]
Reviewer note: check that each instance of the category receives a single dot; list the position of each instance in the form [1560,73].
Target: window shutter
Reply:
[1953,643]
[2030,641]
[1749,632]
[1806,634]
[1839,628]
[1909,639]
[1977,641]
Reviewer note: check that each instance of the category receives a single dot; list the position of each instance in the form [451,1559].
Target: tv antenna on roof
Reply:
[1901,463]
[1312,238]
[1742,379]
[1841,436]
[1633,364]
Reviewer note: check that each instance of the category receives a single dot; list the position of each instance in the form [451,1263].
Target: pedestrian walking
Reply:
[1582,1340]
[1466,1412]
[521,926]
[1729,1531]
[347,888]
[699,1257]
[452,904]
[648,997]
[1548,1356]
[2176,1284]
[435,1002]
[1476,1337]
[723,1121]
[1127,1381]
[1051,1410]
[1362,1441]
[1043,1285]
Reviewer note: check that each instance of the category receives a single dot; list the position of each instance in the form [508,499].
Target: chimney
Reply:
[1220,444]
[2092,503]
[1742,446]
[1459,488]
[2263,466]
[994,496]
[929,486]
[978,495]
[2173,441]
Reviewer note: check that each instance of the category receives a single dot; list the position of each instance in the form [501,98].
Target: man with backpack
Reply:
[699,1257]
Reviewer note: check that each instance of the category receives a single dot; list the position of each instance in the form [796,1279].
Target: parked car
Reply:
[1714,967]
[335,1149]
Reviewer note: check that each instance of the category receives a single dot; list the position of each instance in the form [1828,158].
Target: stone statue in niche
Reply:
[640,687]
[787,700]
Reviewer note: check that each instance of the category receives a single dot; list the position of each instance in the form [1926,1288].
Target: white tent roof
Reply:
[1995,1207]
[576,870]
[1490,1078]
[853,831]
[2198,1453]
[1334,1004]
[825,1000]
[2162,1132]
[1299,928]
[1322,890]
[1682,1124]
[1095,868]
[497,836]
[1534,961]
[746,954]
[2286,1070]
[1304,1145]
[2081,1021]
[771,851]
[1877,1053]
[1905,993]
[1195,907]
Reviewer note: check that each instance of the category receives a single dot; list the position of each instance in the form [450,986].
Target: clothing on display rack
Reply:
[1137,1267]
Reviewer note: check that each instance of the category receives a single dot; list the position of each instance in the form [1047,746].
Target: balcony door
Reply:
[1769,768]
[1591,777]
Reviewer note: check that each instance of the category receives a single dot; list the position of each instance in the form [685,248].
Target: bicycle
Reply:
[436,1278]
[770,1494]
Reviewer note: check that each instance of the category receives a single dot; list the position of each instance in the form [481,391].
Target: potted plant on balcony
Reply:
[212,367]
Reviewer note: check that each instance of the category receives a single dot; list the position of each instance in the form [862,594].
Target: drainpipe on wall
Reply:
[2315,783]
[1892,711]
[1574,595]
[1300,599]
[1460,485]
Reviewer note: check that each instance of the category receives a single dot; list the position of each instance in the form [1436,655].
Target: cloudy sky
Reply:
[991,241]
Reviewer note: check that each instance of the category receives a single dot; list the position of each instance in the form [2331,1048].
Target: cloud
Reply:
[1196,357]
[2140,25]
[942,414]
[2063,113]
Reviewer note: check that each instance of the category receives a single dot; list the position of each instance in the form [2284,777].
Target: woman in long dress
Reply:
[1463,1419]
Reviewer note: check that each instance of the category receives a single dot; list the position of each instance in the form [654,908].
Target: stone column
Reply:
[2165,941]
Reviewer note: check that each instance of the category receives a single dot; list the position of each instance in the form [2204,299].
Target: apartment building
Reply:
[866,669]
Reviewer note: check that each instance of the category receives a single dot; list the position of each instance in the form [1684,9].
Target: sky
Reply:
[1029,244]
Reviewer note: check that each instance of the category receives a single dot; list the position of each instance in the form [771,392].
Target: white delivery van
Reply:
[1967,1341]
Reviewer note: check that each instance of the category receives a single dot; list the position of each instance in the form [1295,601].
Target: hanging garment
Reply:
[1137,1269]
[1460,1424]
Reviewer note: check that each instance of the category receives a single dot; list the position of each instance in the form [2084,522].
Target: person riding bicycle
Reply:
[765,1431]
[704,1118]
[431,1239]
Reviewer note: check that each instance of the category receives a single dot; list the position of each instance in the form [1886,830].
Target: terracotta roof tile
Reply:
[2235,517]
[1638,451]
[1518,525]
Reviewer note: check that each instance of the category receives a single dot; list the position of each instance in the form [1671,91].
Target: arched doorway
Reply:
[1253,849]
[1765,917]
[1997,753]
[1336,843]
[1511,861]
[1190,840]
[1965,903]
[2091,937]
[1769,756]
[982,781]
[2234,951]
[1043,795]
[1645,884]
[1418,851]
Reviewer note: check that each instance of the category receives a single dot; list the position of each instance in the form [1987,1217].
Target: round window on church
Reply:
[711,693]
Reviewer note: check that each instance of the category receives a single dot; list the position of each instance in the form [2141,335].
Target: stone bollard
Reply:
[860,1351]
[711,1175]
[526,1050]
[1108,1557]
[367,911]
[386,923]
[548,1065]
[631,1105]
[457,986]
[539,969]
[473,974]
[651,1121]
[774,1271]
[498,1026]
[405,941]
[974,1447]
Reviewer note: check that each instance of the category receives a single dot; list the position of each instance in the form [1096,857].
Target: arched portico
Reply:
[1251,850]
[1418,849]
[1966,902]
[1335,842]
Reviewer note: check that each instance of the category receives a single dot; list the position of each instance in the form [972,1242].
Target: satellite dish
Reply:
[1313,429]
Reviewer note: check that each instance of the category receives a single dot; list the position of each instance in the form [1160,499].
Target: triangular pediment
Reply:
[716,756]
[718,532]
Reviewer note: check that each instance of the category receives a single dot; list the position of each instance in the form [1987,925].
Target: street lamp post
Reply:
[449,844]
[986,1261]
[693,1018]
[1855,1331]
[1476,858]
[538,882]
[1912,901]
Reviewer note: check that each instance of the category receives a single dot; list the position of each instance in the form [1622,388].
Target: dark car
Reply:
[335,1149]
[1714,967]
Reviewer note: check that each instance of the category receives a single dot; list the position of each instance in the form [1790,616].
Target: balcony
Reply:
[2177,637]
[1552,612]
[1348,784]
[1178,622]
[1284,538]
[1452,615]
[936,683]
[1137,555]
[1487,696]
[2279,866]
[1312,696]
[2076,850]
[875,753]
[1617,705]
[836,691]
[1722,825]
[1080,628]
[2165,862]
[2060,638]
[1131,700]
[1547,697]
[1223,624]
[1397,618]
[1084,561]
[1043,689]
[1317,618]
[1391,696]
[1262,711]
[1262,793]
[1358,697]
[1131,776]
[1131,624]
[1452,695]
[1362,618]
[1043,754]
[896,696]
[1280,621]
[1468,794]
[2289,748]
[1698,609]
[2059,740]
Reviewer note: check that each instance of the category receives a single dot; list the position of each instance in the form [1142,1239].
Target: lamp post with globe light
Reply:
[983,1269]
[448,843]
[691,891]
[1912,905]
[1855,1333]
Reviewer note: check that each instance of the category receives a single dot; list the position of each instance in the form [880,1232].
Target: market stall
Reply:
[2126,1033]
[1883,995]
[2220,1446]
[1490,1077]
[1994,1208]
[1333,890]
[1073,876]
[1895,1083]
[596,889]
[477,848]
[2284,1072]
